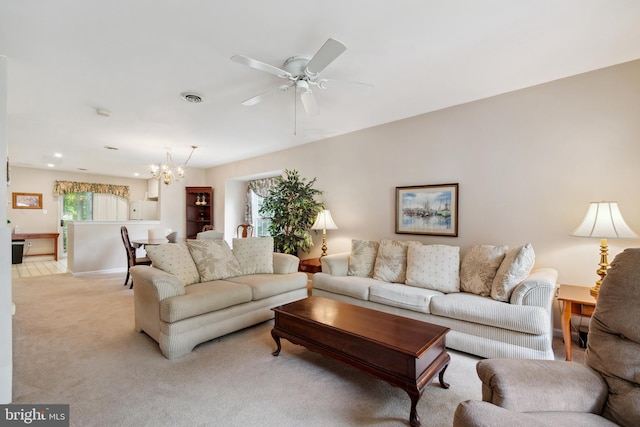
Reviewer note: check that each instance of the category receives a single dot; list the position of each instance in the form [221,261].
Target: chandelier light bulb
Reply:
[169,171]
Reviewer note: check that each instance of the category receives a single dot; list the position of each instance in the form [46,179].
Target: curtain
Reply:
[64,187]
[107,207]
[261,187]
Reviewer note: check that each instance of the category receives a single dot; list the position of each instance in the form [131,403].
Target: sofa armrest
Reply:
[285,263]
[541,385]
[166,285]
[473,413]
[336,264]
[538,289]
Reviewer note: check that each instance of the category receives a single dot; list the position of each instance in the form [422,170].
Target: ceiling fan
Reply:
[300,72]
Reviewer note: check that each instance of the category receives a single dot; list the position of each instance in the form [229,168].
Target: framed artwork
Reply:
[427,209]
[27,200]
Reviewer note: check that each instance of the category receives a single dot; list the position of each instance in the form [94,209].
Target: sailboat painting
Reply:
[427,209]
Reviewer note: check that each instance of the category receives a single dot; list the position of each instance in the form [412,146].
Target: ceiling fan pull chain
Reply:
[295,113]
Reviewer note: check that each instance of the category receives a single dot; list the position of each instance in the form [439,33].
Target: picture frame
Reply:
[27,200]
[427,209]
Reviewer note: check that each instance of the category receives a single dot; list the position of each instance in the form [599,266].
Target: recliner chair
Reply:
[603,392]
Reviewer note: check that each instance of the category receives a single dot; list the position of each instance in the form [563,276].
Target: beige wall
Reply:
[528,163]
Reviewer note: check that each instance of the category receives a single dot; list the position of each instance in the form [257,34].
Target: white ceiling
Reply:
[69,57]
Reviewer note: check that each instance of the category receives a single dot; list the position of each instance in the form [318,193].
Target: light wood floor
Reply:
[38,266]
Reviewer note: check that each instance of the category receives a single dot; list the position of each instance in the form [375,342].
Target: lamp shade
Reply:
[324,221]
[604,220]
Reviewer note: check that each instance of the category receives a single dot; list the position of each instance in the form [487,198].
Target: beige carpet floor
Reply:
[75,343]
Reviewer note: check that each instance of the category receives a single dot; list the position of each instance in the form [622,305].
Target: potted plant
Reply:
[292,209]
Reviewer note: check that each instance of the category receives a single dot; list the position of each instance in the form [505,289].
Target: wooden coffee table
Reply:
[404,352]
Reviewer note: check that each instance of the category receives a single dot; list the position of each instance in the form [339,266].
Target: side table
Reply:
[310,265]
[577,302]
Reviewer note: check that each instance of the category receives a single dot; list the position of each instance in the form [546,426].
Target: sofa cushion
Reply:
[201,298]
[434,267]
[174,258]
[267,285]
[391,262]
[214,259]
[255,254]
[479,267]
[362,258]
[402,296]
[486,311]
[515,267]
[353,286]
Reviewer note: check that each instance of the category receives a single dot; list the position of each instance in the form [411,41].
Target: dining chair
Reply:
[247,230]
[132,259]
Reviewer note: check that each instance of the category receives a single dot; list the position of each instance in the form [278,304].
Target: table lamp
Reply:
[603,220]
[324,222]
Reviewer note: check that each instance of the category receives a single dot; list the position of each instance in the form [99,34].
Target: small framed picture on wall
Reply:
[27,200]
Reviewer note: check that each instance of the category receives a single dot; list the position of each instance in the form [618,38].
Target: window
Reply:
[260,223]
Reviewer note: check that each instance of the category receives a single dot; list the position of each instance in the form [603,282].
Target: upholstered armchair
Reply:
[603,392]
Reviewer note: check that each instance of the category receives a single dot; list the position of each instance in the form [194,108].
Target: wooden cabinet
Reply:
[199,203]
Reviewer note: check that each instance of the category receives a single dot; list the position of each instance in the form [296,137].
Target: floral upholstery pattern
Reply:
[214,259]
[363,257]
[479,267]
[515,267]
[391,262]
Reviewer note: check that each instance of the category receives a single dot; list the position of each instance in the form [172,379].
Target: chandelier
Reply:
[169,171]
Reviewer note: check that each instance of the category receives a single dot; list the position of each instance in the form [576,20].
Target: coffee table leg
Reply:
[276,338]
[414,419]
[441,377]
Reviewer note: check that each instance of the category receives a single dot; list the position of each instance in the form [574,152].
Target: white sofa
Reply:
[519,326]
[200,290]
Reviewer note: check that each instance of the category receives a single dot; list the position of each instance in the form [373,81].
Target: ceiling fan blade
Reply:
[260,97]
[361,88]
[309,103]
[258,65]
[329,51]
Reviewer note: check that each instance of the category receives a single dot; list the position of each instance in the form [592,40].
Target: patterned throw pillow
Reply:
[391,261]
[214,259]
[435,267]
[255,254]
[515,267]
[174,258]
[479,267]
[362,258]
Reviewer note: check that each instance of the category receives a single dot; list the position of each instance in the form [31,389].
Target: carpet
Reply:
[75,343]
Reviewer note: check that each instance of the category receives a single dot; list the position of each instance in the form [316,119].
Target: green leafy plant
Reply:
[292,209]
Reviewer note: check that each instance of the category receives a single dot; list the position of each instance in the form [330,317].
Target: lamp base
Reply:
[324,244]
[604,266]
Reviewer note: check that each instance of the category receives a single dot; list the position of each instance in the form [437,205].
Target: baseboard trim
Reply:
[88,273]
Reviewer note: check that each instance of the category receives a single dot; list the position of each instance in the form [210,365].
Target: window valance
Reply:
[66,187]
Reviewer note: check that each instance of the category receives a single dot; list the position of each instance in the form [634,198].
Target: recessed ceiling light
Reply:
[194,98]
[111,148]
[136,174]
[50,165]
[103,112]
[82,169]
[57,155]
